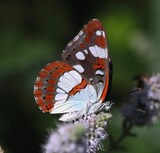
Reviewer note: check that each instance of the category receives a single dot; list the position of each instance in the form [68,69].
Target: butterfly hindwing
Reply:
[55,84]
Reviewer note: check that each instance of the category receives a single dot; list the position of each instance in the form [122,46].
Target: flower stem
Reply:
[126,131]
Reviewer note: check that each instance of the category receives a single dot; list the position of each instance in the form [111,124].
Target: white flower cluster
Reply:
[83,136]
[96,131]
[143,107]
[154,96]
[68,138]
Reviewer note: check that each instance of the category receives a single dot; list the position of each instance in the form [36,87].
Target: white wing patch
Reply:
[86,51]
[98,51]
[64,86]
[100,87]
[76,38]
[103,53]
[68,106]
[80,56]
[58,90]
[67,81]
[80,33]
[70,78]
[61,96]
[98,33]
[103,34]
[93,51]
[76,76]
[35,87]
[79,68]
[106,51]
[99,72]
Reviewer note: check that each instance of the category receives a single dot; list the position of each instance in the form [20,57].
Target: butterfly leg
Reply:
[86,110]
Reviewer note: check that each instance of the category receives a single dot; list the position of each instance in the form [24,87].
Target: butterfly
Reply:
[77,85]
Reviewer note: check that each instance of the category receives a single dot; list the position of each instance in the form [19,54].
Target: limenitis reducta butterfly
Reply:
[77,85]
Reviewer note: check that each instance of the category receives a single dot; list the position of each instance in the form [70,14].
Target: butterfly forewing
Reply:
[88,54]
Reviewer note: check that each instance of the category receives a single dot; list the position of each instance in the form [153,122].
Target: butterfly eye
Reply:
[44,97]
[50,72]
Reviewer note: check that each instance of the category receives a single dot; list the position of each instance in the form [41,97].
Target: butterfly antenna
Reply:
[126,94]
[135,90]
[137,109]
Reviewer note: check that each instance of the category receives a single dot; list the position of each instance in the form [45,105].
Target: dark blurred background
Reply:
[34,33]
